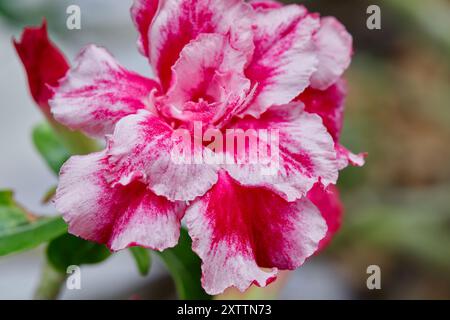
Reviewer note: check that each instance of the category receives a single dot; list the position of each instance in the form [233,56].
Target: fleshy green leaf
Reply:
[68,250]
[142,258]
[11,215]
[50,146]
[185,267]
[21,231]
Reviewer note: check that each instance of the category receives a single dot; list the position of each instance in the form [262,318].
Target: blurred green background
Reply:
[398,110]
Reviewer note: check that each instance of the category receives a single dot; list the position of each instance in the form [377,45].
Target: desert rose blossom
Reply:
[229,64]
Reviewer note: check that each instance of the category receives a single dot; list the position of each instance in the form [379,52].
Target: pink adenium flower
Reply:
[229,64]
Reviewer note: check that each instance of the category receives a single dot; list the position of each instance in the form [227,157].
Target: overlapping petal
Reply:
[119,216]
[98,92]
[335,48]
[327,200]
[208,81]
[178,22]
[142,14]
[141,148]
[329,105]
[285,55]
[236,230]
[265,4]
[304,153]
[346,157]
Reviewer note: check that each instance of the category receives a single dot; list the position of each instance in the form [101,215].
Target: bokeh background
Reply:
[398,110]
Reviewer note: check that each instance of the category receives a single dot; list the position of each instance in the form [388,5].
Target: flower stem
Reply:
[50,283]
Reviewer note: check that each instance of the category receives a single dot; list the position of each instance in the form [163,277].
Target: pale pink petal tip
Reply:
[142,14]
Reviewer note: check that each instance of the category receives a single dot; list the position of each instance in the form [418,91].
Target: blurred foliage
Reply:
[185,268]
[50,146]
[143,259]
[20,230]
[398,205]
[29,12]
[68,250]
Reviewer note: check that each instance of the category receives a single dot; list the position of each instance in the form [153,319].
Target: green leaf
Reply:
[20,231]
[68,250]
[50,146]
[6,197]
[56,144]
[75,141]
[142,258]
[11,215]
[28,236]
[185,267]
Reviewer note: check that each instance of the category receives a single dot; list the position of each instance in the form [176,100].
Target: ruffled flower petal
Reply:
[142,148]
[329,105]
[327,200]
[119,216]
[346,157]
[142,14]
[178,22]
[335,46]
[208,81]
[98,92]
[285,56]
[265,4]
[236,230]
[303,155]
